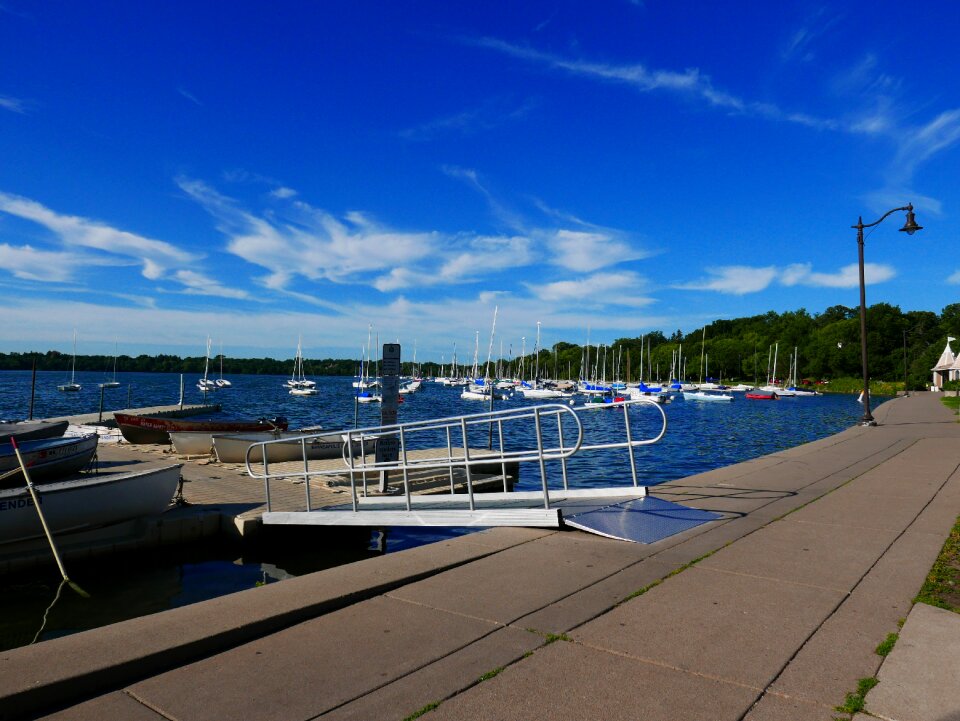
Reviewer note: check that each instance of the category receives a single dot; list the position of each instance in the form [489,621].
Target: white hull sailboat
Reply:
[72,386]
[221,381]
[113,383]
[205,384]
[298,383]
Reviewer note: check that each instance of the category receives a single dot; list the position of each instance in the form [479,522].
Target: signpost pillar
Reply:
[388,447]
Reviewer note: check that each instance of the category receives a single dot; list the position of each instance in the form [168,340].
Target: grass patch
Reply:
[952,402]
[672,573]
[854,702]
[942,586]
[489,674]
[426,709]
[886,646]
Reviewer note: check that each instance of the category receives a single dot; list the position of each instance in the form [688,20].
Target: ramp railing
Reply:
[510,436]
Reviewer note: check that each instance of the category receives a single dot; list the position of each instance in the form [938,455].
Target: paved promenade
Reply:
[771,613]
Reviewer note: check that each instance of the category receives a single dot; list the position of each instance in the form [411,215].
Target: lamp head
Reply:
[910,227]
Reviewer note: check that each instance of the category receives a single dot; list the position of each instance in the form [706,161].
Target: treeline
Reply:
[827,343]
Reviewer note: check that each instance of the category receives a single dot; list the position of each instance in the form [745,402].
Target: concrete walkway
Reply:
[772,613]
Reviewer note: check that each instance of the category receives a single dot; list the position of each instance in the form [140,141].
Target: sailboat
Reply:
[221,381]
[298,383]
[72,386]
[363,394]
[205,384]
[537,390]
[114,383]
[704,395]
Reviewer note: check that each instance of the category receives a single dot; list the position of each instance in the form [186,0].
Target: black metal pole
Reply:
[906,391]
[867,418]
[100,417]
[33,388]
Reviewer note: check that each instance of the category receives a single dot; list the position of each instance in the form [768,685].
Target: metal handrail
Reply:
[457,456]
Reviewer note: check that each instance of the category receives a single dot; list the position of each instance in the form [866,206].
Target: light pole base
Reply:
[867,422]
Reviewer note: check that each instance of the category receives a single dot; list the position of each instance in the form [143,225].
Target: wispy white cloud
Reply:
[954,278]
[313,244]
[616,289]
[283,192]
[155,256]
[14,105]
[31,264]
[494,113]
[586,251]
[200,284]
[800,45]
[847,277]
[924,142]
[690,82]
[189,96]
[742,279]
[733,279]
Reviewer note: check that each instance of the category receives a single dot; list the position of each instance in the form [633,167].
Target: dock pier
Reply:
[771,612]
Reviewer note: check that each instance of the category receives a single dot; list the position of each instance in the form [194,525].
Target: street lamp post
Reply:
[909,227]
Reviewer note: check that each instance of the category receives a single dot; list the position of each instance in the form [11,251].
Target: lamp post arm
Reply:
[861,225]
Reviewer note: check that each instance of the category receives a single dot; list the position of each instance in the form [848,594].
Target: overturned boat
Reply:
[157,429]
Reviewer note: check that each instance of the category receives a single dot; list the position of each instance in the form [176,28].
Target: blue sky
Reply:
[259,171]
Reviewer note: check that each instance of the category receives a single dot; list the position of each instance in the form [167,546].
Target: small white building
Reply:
[946,369]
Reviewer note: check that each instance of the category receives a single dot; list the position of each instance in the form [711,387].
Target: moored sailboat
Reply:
[72,386]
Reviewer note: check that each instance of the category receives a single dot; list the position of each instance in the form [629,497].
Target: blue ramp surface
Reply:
[642,520]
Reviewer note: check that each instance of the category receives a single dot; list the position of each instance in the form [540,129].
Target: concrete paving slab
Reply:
[116,705]
[919,678]
[565,680]
[777,708]
[517,582]
[590,602]
[313,667]
[842,651]
[505,537]
[84,664]
[854,506]
[839,654]
[442,679]
[811,553]
[696,619]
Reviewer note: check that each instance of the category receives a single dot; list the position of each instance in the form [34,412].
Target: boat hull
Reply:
[232,448]
[31,431]
[47,458]
[86,502]
[154,429]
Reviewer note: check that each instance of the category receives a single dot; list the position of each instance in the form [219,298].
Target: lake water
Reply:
[700,437]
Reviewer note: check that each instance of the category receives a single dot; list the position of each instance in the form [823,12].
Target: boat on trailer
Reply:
[157,429]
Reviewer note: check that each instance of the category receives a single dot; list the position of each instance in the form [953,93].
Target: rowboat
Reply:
[85,502]
[156,429]
[46,458]
[32,430]
[232,448]
[758,394]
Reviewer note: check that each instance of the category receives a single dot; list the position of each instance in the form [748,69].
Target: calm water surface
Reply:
[700,437]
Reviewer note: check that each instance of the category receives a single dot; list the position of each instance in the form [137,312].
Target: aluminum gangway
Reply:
[547,436]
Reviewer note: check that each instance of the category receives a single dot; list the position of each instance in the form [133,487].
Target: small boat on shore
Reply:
[156,429]
[32,430]
[46,458]
[232,448]
[86,501]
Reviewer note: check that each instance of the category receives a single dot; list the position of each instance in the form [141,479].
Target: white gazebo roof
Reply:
[947,359]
